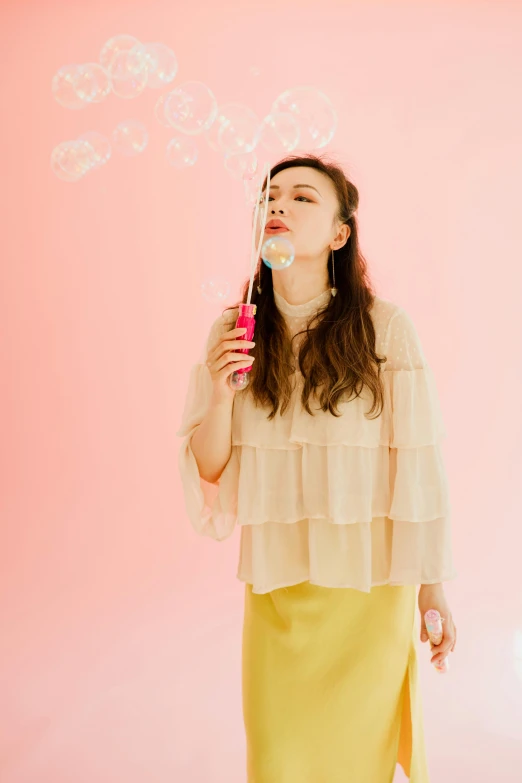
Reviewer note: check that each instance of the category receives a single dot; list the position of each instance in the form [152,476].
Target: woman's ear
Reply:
[342,236]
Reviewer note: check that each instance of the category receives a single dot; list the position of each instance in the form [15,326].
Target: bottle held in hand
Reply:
[239,379]
[229,356]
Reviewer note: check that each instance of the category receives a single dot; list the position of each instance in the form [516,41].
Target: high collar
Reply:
[307,308]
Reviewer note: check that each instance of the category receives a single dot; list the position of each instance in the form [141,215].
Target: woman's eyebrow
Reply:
[276,187]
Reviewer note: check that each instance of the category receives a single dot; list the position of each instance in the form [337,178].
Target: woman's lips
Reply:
[278,230]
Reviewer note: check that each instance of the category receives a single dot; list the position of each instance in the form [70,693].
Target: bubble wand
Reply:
[239,379]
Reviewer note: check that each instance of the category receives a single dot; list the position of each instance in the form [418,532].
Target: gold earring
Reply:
[334,289]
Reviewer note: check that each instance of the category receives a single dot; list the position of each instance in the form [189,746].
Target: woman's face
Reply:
[305,200]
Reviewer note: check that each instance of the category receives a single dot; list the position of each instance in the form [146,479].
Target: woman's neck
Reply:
[302,292]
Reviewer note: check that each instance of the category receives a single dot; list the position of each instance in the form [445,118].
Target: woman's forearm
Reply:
[212,441]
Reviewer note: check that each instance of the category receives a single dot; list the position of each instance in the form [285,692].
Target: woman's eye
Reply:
[306,199]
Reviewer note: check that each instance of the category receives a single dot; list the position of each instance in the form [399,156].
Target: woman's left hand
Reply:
[432,597]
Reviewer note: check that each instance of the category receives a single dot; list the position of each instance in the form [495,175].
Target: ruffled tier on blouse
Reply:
[360,556]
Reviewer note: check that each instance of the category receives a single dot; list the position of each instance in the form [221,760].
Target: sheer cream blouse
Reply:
[340,502]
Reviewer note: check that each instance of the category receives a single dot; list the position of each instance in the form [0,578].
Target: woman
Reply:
[330,463]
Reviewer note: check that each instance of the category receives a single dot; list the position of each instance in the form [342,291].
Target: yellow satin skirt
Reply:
[330,685]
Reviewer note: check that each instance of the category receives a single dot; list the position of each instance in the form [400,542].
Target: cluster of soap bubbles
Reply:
[72,160]
[126,66]
[301,116]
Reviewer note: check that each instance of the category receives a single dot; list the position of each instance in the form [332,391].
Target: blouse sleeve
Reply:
[211,507]
[419,493]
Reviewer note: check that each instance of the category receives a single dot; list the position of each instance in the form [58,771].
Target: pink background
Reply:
[121,629]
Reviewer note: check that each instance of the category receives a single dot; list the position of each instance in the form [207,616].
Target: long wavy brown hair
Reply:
[337,357]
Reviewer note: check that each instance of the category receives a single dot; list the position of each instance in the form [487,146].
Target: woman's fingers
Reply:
[454,643]
[232,358]
[228,370]
[225,348]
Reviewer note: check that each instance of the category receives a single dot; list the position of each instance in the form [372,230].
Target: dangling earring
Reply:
[334,289]
[259,289]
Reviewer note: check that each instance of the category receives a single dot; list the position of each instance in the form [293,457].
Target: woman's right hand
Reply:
[224,359]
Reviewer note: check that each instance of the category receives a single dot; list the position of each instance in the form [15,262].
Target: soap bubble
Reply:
[182,152]
[63,87]
[128,72]
[61,174]
[56,156]
[240,130]
[280,132]
[242,165]
[142,58]
[92,83]
[76,157]
[235,115]
[277,252]
[191,108]
[238,380]
[159,111]
[215,289]
[115,45]
[130,138]
[212,134]
[162,64]
[71,160]
[101,147]
[314,111]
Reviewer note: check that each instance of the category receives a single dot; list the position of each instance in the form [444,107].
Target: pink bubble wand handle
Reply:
[246,319]
[434,622]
